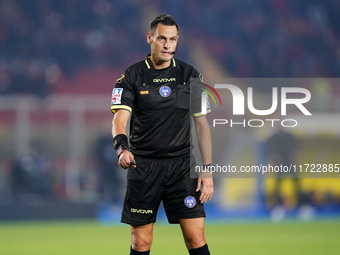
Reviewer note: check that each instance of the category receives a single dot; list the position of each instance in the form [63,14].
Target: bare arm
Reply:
[204,138]
[205,145]
[119,123]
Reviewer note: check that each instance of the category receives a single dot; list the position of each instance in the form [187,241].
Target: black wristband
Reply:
[119,140]
[120,143]
[207,166]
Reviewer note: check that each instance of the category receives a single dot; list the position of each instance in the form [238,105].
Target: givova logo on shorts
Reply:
[141,211]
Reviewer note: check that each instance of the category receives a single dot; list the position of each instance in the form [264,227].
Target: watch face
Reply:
[119,151]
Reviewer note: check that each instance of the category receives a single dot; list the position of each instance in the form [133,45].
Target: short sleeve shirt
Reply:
[161,102]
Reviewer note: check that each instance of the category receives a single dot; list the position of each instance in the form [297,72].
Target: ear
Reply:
[149,38]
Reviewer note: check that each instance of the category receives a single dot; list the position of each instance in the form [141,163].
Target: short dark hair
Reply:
[164,19]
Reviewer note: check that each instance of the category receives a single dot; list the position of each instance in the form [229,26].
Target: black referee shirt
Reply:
[159,100]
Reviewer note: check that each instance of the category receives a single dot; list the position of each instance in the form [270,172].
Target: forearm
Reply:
[204,140]
[118,128]
[120,143]
[119,122]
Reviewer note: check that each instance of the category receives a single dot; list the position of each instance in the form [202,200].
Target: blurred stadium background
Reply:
[59,60]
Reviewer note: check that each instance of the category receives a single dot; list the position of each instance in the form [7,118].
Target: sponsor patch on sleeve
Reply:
[117,96]
[208,103]
[206,98]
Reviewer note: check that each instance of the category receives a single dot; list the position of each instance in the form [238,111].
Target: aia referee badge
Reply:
[190,201]
[165,91]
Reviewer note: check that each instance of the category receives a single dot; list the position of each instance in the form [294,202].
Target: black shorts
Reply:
[153,181]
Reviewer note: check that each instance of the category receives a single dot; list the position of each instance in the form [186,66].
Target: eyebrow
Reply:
[163,36]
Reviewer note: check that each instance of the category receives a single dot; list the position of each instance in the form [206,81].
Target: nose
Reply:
[167,44]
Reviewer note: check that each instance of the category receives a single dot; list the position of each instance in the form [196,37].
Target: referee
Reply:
[156,93]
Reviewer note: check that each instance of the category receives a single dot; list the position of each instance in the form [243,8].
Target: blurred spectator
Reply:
[19,179]
[282,149]
[262,38]
[267,38]
[38,35]
[31,174]
[107,162]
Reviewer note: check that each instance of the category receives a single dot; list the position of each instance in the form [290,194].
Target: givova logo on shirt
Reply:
[164,80]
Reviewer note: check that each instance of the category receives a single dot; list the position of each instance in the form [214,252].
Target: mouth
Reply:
[166,53]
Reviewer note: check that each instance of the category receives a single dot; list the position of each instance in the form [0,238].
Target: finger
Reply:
[204,198]
[212,192]
[207,192]
[209,195]
[127,163]
[204,195]
[123,163]
[132,162]
[199,182]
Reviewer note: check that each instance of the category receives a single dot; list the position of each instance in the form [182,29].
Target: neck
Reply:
[159,64]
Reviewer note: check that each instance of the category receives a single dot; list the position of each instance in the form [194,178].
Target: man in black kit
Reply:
[282,150]
[156,92]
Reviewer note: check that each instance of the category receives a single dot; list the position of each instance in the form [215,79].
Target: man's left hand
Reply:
[206,182]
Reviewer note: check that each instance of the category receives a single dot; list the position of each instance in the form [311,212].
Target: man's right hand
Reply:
[125,160]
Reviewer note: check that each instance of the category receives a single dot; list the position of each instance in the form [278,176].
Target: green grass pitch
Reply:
[89,237]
